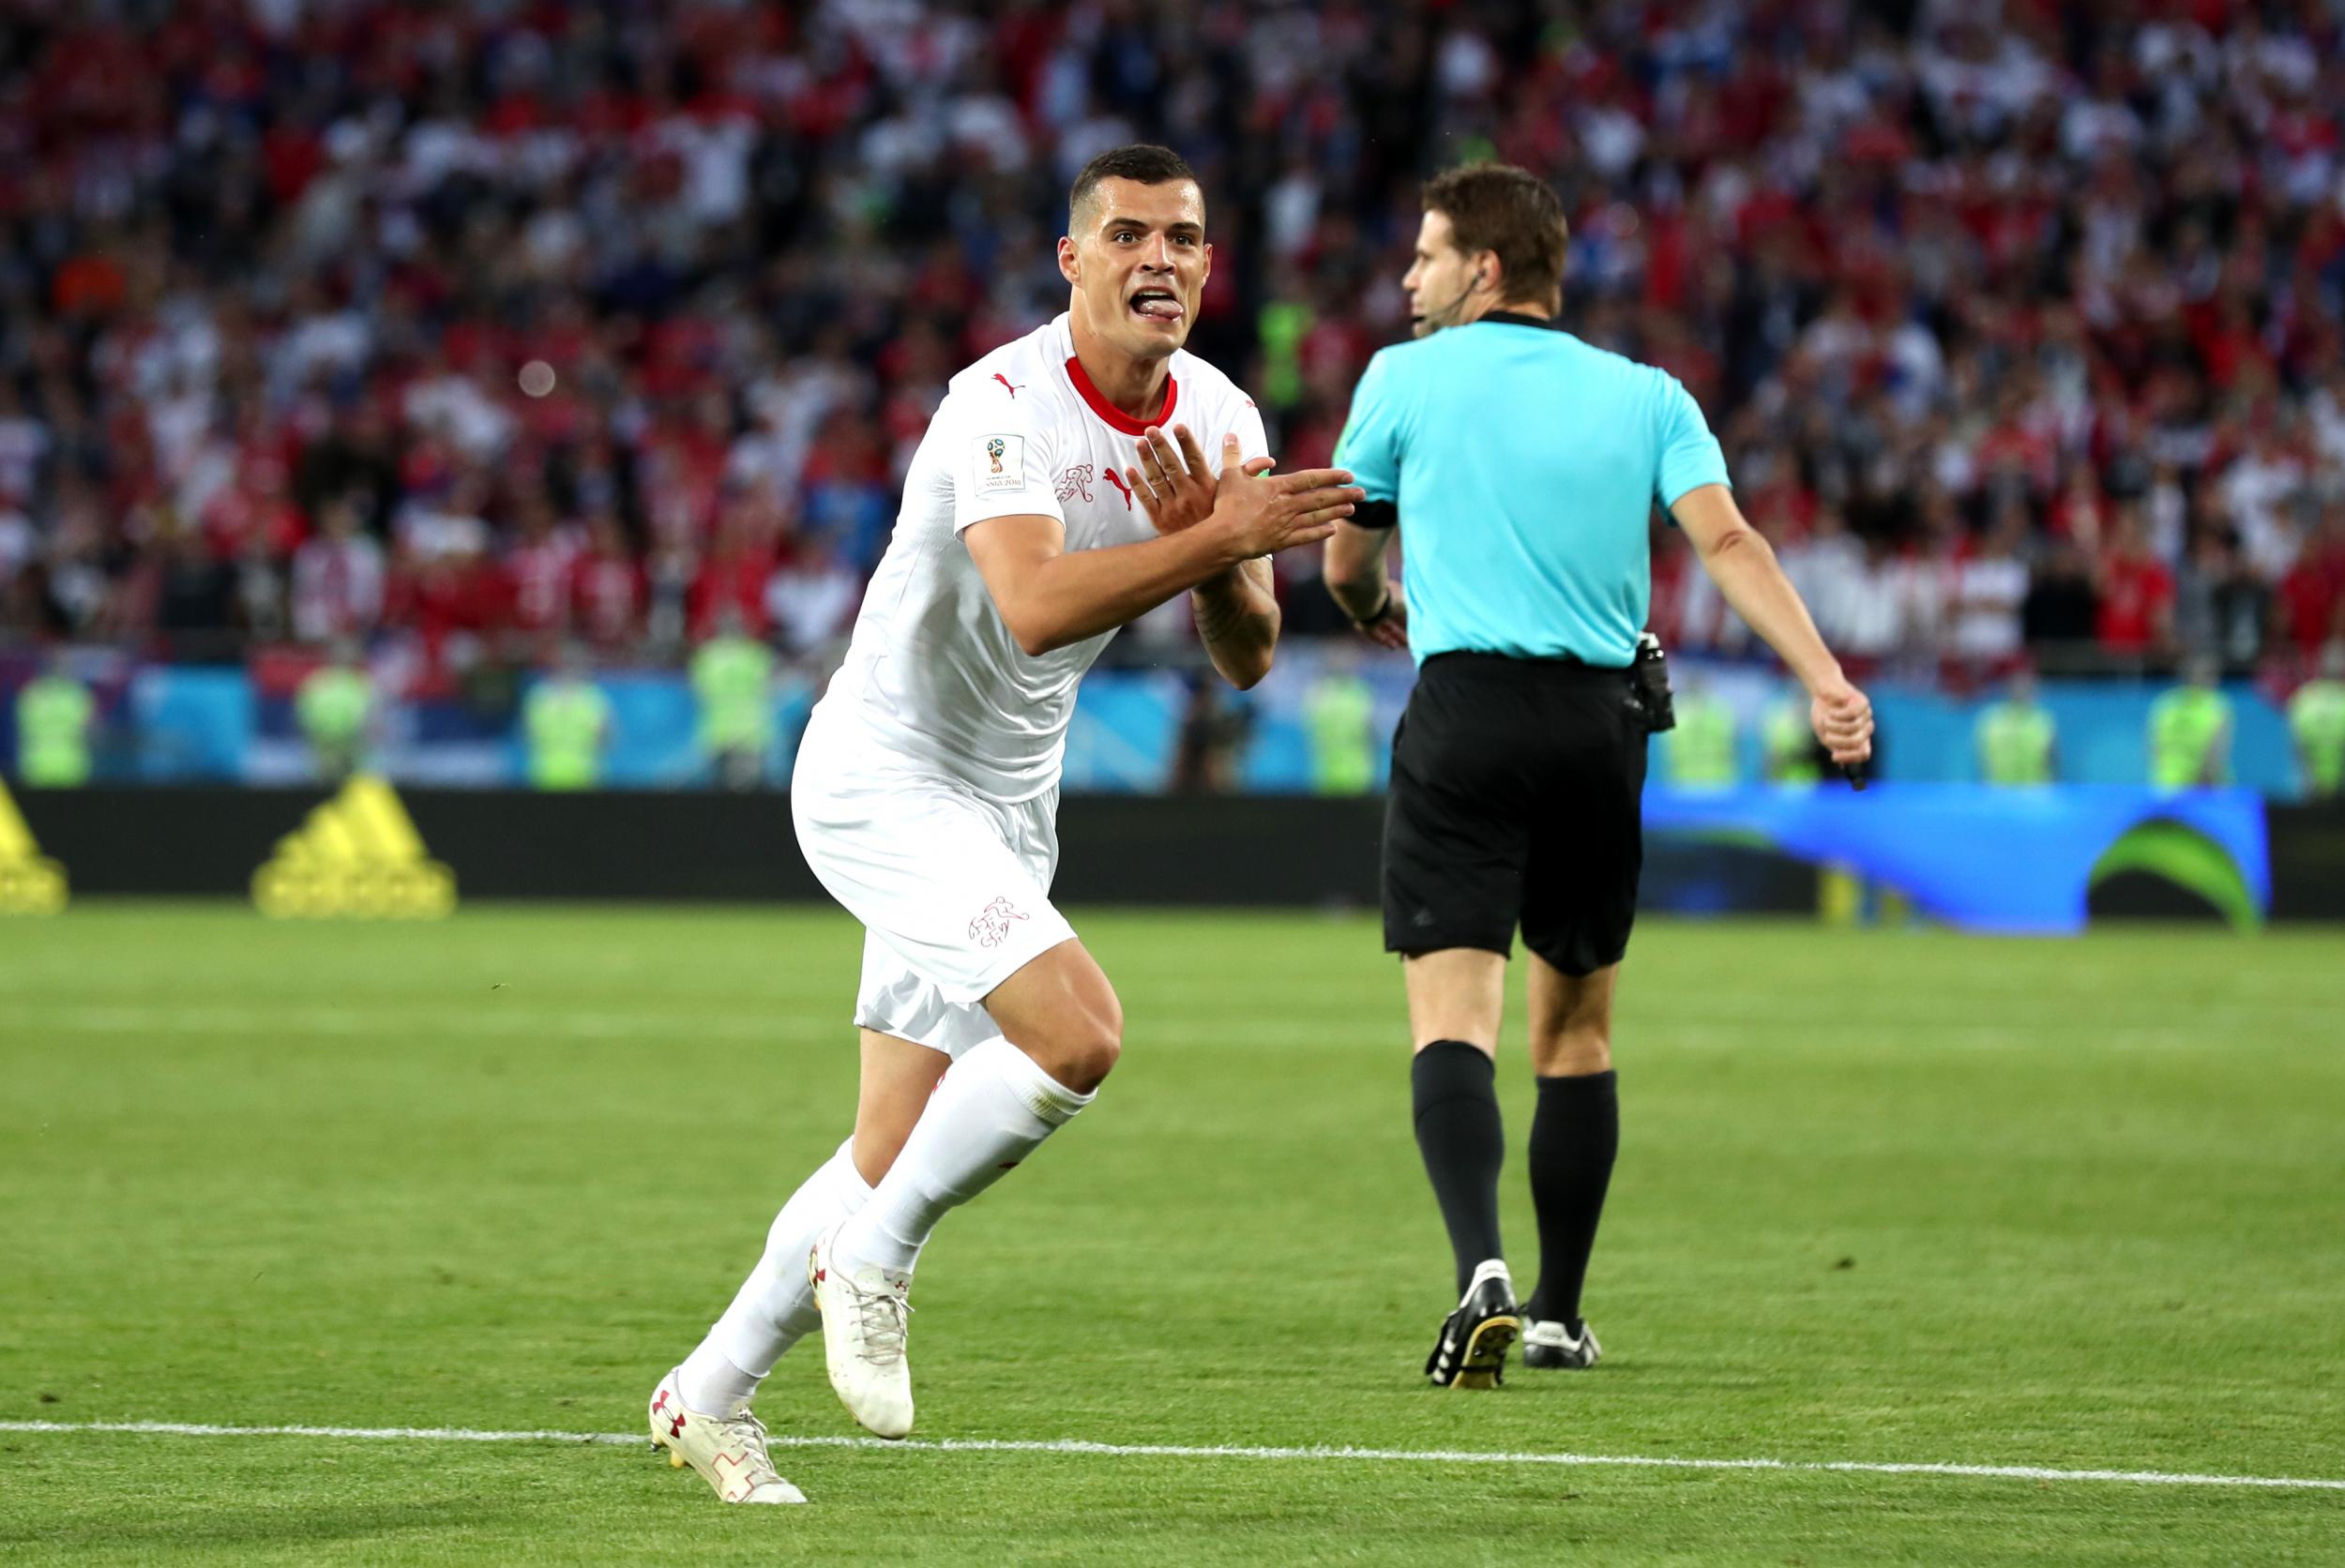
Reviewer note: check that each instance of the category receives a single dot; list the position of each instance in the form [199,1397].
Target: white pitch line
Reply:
[1176,1450]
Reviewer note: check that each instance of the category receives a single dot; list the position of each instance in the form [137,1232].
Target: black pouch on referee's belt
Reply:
[1650,677]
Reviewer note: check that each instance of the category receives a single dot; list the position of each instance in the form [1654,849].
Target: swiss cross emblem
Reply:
[1076,481]
[992,923]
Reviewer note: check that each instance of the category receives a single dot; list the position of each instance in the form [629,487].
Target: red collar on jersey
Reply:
[1109,412]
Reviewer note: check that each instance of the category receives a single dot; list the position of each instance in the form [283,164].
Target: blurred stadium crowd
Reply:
[462,327]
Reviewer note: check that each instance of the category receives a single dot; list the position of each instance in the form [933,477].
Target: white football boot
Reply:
[1551,1342]
[865,1320]
[728,1451]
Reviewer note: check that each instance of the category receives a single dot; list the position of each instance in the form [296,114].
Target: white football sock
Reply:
[774,1306]
[993,1109]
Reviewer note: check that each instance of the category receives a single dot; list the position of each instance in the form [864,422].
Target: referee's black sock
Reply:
[1457,1131]
[1575,1135]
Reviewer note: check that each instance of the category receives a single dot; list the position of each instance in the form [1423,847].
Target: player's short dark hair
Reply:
[1142,162]
[1514,213]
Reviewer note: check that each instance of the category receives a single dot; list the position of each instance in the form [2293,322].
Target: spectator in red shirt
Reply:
[2311,607]
[455,603]
[337,579]
[2136,591]
[732,576]
[540,568]
[255,507]
[607,585]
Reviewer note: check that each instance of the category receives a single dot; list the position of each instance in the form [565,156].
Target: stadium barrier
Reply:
[2004,860]
[166,724]
[2308,861]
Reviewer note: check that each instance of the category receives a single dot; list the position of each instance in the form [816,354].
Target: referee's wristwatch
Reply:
[1382,611]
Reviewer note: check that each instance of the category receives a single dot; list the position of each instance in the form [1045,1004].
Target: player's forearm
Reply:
[1080,594]
[1237,620]
[1748,578]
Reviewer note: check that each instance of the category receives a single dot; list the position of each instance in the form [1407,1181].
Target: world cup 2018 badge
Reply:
[997,463]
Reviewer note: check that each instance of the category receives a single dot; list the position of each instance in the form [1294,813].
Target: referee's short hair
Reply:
[1513,213]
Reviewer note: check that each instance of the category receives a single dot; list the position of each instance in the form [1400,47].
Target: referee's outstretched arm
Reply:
[1741,562]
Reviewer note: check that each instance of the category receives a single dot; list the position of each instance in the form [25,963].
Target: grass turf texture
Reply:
[1882,1197]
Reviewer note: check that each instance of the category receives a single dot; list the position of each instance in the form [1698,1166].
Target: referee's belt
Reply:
[1480,661]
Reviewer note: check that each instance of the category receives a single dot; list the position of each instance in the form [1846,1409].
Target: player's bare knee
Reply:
[1093,1051]
[1079,1057]
[1081,1045]
[1089,1069]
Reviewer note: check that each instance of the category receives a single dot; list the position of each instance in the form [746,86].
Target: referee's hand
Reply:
[1843,721]
[1390,626]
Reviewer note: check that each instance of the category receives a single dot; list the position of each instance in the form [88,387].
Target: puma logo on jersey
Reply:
[1006,385]
[1117,480]
[1074,482]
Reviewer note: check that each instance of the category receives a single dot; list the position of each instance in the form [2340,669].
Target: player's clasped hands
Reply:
[1179,489]
[1174,483]
[1843,720]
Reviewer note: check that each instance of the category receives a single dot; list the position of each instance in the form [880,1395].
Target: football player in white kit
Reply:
[1062,491]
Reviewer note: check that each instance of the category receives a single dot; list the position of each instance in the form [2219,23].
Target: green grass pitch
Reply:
[1884,1198]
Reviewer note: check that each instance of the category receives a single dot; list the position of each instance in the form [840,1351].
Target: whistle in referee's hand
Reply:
[1854,773]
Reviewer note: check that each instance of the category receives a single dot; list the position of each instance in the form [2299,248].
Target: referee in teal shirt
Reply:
[1522,465]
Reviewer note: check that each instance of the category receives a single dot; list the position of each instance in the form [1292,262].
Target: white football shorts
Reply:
[952,888]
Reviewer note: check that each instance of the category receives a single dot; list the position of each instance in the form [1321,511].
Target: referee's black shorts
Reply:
[1515,799]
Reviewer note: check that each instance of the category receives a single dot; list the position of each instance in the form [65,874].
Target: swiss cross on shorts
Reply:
[992,923]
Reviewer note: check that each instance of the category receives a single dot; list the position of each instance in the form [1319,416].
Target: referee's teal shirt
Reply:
[1525,464]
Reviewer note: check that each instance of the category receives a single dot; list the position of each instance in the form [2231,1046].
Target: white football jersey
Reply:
[932,676]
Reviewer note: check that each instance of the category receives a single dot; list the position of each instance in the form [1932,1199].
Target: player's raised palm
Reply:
[1179,490]
[1173,481]
[1262,514]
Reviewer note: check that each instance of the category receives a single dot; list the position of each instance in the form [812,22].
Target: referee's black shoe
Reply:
[1550,1342]
[1472,1350]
